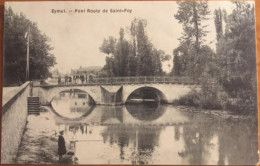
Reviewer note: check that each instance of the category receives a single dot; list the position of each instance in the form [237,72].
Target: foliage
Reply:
[236,51]
[134,57]
[177,66]
[108,45]
[16,25]
[211,98]
[219,17]
[191,51]
[232,69]
[191,14]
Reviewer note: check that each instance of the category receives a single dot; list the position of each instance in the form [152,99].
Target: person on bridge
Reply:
[69,80]
[86,79]
[77,79]
[61,145]
[66,80]
[59,80]
[82,78]
[74,79]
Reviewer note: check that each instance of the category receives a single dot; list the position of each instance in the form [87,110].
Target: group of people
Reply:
[76,79]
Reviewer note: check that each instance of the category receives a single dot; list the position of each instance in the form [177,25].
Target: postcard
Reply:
[130,82]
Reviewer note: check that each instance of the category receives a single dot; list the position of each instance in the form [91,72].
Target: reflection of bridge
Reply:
[116,90]
[164,115]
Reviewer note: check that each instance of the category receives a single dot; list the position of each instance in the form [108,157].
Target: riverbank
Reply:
[217,102]
[225,114]
[39,141]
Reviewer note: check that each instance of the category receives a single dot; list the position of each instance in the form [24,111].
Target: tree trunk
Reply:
[196,26]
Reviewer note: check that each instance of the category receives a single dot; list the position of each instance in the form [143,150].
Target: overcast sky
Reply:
[76,37]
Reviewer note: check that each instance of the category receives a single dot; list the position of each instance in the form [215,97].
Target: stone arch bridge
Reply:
[114,94]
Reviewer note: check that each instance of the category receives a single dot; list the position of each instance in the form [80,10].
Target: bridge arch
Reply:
[71,90]
[47,94]
[160,95]
[72,119]
[72,104]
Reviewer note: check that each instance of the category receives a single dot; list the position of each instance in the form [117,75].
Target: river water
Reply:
[151,133]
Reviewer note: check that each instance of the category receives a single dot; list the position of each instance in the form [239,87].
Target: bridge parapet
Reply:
[69,81]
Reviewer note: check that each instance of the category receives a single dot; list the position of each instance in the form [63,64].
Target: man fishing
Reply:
[61,145]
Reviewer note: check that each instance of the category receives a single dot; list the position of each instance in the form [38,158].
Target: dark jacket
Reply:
[61,145]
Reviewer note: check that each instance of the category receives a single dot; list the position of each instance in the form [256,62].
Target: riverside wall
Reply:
[14,116]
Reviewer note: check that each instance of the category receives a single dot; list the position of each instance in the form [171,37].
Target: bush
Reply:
[191,99]
[215,97]
[245,103]
[211,98]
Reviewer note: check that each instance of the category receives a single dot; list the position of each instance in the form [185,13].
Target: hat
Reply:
[70,153]
[62,131]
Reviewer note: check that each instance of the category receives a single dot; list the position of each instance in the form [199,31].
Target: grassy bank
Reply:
[214,98]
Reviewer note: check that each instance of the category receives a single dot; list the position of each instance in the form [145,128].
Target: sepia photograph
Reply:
[129,83]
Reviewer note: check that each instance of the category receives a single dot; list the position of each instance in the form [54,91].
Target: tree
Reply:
[16,25]
[116,64]
[158,56]
[144,50]
[176,66]
[191,15]
[108,45]
[121,54]
[134,57]
[236,52]
[218,19]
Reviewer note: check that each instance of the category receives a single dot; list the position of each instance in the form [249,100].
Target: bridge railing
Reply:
[114,80]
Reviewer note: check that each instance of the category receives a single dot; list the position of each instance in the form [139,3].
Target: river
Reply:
[147,133]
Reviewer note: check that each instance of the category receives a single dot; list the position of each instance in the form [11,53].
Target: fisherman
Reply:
[61,145]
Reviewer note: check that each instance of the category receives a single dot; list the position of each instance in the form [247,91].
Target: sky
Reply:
[76,37]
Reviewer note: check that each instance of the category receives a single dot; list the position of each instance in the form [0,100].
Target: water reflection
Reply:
[154,134]
[142,141]
[238,142]
[148,111]
[72,104]
[112,115]
[228,142]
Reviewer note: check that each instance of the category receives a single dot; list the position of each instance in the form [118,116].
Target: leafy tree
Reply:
[233,66]
[218,19]
[158,56]
[121,54]
[133,57]
[109,67]
[237,56]
[191,15]
[144,50]
[176,66]
[183,51]
[16,25]
[108,45]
